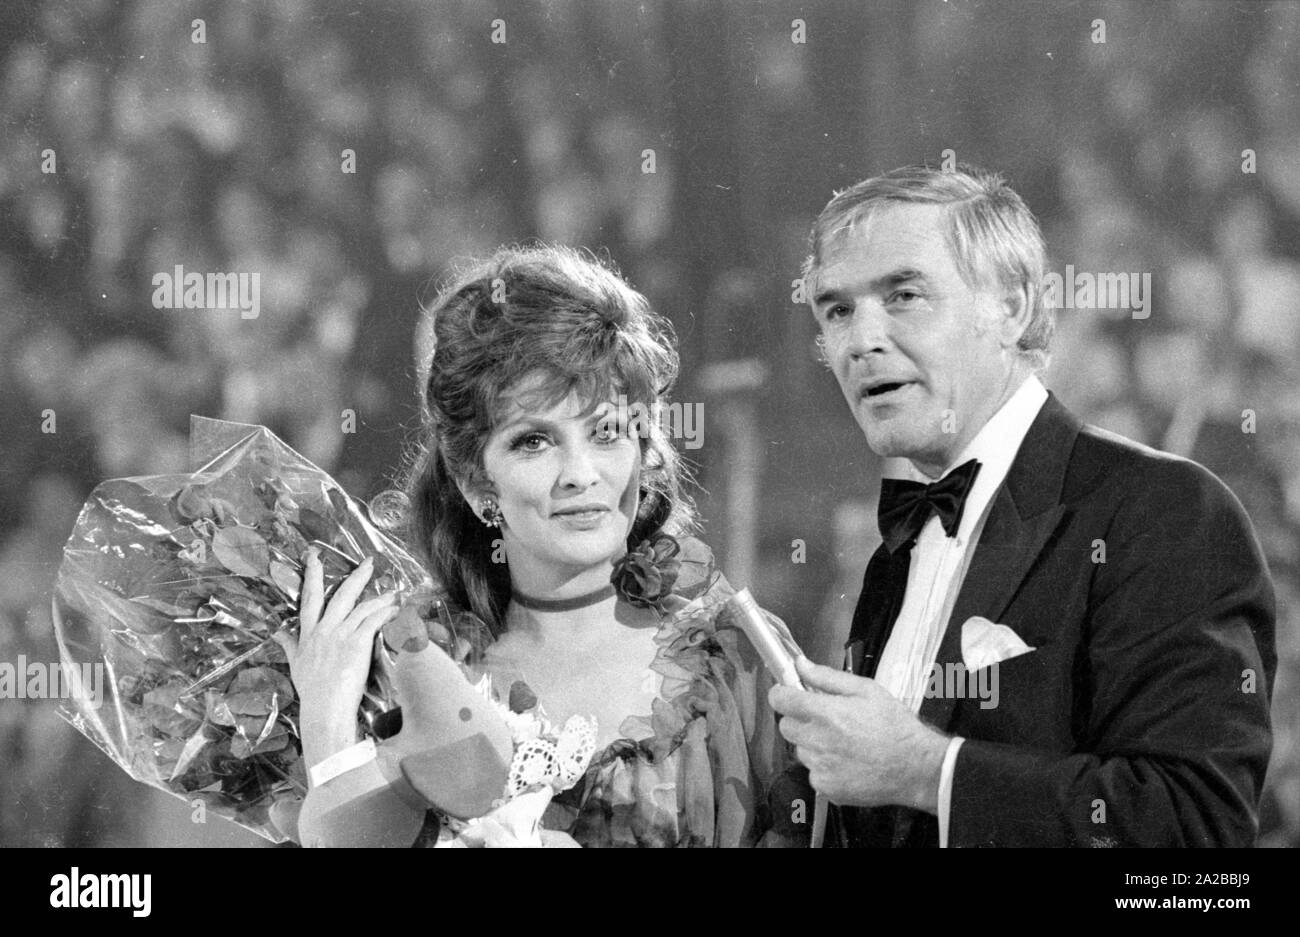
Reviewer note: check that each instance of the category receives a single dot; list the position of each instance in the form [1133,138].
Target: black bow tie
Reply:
[905,506]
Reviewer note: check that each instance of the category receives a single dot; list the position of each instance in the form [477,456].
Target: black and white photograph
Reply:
[651,423]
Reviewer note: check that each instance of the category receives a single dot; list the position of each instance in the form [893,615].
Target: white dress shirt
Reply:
[939,563]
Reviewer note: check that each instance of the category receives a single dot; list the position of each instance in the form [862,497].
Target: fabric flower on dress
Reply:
[645,576]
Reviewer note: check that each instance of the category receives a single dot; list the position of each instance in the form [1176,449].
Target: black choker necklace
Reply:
[562,605]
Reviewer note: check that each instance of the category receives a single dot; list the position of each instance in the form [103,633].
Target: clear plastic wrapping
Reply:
[174,585]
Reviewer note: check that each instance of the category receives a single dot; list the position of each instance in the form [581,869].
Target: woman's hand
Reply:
[329,661]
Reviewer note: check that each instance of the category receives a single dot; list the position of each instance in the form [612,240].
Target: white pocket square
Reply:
[984,643]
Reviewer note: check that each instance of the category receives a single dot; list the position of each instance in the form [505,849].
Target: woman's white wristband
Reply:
[354,756]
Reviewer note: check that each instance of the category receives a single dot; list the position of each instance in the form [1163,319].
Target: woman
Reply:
[540,453]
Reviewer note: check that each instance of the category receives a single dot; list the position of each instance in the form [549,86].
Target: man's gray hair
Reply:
[993,235]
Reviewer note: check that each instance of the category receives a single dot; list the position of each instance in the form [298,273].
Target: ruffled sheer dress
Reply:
[706,767]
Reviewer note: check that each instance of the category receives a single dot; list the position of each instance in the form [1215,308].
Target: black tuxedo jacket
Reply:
[1142,716]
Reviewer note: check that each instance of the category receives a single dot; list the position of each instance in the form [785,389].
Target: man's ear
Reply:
[1016,309]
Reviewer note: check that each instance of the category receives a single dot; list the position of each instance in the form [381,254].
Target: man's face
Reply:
[914,347]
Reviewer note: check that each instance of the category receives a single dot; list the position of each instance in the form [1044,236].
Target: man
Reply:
[1067,637]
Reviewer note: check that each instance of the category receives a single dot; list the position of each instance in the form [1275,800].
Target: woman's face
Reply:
[567,480]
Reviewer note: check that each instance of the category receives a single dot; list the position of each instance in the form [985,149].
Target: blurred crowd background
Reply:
[227,154]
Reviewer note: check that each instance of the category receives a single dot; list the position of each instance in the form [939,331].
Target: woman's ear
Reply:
[466,491]
[474,492]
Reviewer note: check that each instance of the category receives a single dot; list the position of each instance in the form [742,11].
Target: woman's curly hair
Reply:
[568,323]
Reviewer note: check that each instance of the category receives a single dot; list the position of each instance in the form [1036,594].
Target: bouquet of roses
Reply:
[175,585]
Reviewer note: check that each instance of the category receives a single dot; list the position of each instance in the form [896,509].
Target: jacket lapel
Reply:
[1026,511]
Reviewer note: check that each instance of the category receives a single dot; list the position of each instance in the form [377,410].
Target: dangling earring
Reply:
[489,512]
